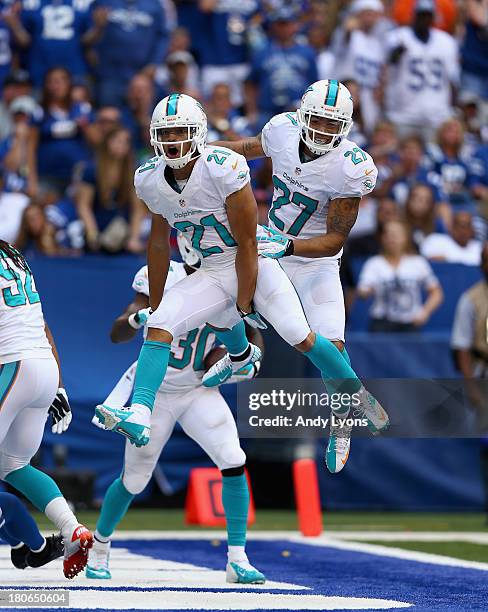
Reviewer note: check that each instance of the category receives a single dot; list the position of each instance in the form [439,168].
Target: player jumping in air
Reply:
[202,413]
[205,193]
[30,387]
[319,177]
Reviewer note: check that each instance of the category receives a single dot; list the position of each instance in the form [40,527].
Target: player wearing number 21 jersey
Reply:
[204,193]
[319,178]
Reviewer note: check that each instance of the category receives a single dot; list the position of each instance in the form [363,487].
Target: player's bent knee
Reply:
[9,464]
[339,344]
[136,481]
[159,335]
[230,456]
[307,344]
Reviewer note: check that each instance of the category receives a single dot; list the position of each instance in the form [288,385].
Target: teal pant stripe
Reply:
[235,499]
[172,104]
[151,370]
[345,355]
[235,339]
[115,504]
[38,487]
[332,93]
[8,375]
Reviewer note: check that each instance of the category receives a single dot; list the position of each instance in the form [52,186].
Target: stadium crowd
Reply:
[79,80]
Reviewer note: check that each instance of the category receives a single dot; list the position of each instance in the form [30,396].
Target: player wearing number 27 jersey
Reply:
[319,178]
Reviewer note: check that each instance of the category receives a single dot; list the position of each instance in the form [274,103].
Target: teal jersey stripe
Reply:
[8,374]
[332,93]
[172,105]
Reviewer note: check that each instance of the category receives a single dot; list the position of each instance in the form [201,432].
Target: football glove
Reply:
[139,318]
[273,244]
[60,412]
[253,318]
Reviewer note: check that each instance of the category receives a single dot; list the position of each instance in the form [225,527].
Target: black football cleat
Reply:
[54,548]
[18,556]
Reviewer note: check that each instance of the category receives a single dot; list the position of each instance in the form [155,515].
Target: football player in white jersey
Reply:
[424,67]
[204,192]
[202,413]
[319,178]
[30,390]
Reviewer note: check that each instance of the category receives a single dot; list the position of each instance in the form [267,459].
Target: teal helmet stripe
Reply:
[332,93]
[172,105]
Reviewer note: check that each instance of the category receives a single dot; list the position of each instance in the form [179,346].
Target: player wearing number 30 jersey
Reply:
[319,177]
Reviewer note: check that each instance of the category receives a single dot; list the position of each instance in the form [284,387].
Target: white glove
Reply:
[138,319]
[60,412]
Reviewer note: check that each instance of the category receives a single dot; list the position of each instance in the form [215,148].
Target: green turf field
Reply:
[139,519]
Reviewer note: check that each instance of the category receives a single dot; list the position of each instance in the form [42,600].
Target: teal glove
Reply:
[273,244]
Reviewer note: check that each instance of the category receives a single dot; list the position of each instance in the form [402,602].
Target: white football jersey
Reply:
[186,361]
[22,334]
[302,191]
[419,85]
[363,60]
[199,210]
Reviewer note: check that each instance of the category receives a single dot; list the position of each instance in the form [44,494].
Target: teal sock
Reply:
[151,369]
[235,339]
[333,366]
[235,499]
[115,504]
[345,354]
[38,487]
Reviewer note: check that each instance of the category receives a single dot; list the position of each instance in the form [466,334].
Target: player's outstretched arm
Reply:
[341,216]
[250,148]
[128,324]
[242,212]
[158,256]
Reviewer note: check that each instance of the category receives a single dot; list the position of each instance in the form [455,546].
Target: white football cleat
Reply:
[223,369]
[370,409]
[98,561]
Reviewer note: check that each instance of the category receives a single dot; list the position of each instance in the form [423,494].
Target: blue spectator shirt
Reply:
[5,52]
[56,28]
[282,75]
[474,50]
[225,32]
[134,37]
[454,175]
[61,141]
[479,166]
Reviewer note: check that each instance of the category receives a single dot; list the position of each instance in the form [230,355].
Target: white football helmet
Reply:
[188,254]
[178,111]
[330,99]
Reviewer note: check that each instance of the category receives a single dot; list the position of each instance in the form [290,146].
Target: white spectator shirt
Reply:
[199,211]
[464,328]
[397,291]
[188,352]
[22,334]
[442,246]
[362,59]
[419,84]
[12,206]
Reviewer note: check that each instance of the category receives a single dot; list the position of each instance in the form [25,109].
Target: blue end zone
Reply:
[325,571]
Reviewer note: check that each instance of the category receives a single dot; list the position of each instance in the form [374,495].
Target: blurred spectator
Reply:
[134,39]
[445,14]
[16,84]
[53,34]
[12,206]
[226,59]
[81,94]
[60,137]
[180,67]
[479,167]
[14,149]
[180,41]
[281,71]
[471,111]
[36,233]
[409,170]
[360,54]
[369,244]
[224,121]
[105,198]
[396,279]
[106,119]
[138,110]
[474,50]
[383,148]
[424,66]
[5,47]
[420,214]
[319,40]
[449,162]
[359,127]
[458,247]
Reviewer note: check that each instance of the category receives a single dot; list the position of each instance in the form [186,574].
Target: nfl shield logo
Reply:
[298,170]
[182,203]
